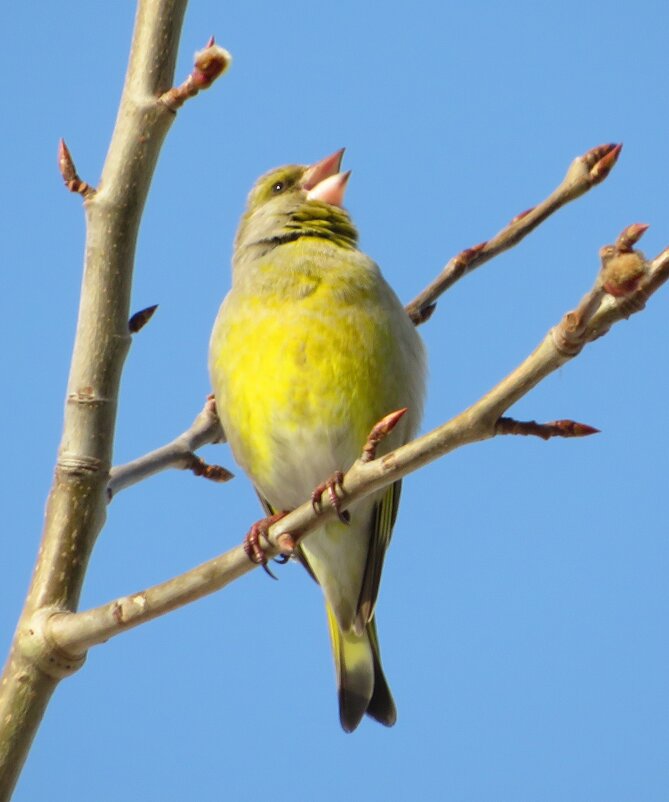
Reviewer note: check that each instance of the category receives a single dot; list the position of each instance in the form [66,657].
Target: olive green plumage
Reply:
[310,349]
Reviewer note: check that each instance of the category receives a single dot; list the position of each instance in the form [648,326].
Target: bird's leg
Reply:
[331,485]
[252,547]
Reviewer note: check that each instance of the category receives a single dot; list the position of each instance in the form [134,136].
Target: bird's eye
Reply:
[278,187]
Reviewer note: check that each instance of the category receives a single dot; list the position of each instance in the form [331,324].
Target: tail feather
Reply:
[361,683]
[381,706]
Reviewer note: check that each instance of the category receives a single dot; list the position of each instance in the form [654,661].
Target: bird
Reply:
[310,349]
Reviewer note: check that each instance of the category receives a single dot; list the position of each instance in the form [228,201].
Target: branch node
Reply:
[37,644]
[568,335]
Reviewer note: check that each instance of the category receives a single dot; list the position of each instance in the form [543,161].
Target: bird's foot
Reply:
[254,549]
[331,486]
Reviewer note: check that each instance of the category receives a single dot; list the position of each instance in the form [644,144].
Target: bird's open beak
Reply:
[324,182]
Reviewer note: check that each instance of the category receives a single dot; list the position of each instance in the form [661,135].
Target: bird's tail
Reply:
[361,683]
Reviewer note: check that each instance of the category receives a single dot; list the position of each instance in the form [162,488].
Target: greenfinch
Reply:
[310,349]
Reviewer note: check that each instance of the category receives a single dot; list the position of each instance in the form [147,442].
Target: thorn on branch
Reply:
[209,65]
[141,318]
[69,172]
[215,473]
[557,428]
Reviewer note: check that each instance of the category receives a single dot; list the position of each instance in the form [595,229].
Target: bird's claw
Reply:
[331,485]
[252,546]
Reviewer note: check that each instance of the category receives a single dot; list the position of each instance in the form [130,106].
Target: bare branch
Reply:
[75,632]
[584,173]
[179,453]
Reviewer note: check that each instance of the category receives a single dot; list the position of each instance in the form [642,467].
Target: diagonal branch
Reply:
[73,633]
[179,453]
[584,173]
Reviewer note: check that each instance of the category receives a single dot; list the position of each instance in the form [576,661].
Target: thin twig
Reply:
[584,173]
[179,453]
[556,428]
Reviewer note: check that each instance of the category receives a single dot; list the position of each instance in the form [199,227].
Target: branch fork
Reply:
[179,453]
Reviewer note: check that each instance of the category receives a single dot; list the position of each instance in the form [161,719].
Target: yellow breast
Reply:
[303,363]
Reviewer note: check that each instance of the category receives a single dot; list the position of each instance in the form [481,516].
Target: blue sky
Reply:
[530,661]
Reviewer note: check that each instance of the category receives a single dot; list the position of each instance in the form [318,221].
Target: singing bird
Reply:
[310,349]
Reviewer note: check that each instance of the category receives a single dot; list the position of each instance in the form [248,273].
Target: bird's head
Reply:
[295,201]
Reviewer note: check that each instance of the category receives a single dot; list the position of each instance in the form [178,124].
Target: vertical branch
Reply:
[76,506]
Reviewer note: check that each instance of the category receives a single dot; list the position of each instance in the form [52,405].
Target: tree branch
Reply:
[77,501]
[584,173]
[179,453]
[73,633]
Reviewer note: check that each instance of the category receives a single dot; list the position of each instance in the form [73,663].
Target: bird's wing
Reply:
[385,513]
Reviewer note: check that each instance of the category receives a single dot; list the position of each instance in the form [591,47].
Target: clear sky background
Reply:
[523,612]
